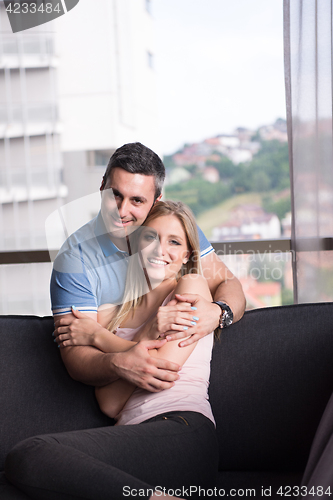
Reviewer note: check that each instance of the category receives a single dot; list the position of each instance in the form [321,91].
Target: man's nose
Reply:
[159,248]
[122,208]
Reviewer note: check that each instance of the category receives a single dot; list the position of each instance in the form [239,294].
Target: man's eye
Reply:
[150,237]
[137,201]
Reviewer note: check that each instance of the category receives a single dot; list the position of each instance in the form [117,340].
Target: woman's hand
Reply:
[81,330]
[174,317]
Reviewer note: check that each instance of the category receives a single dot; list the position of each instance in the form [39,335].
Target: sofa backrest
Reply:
[37,394]
[272,374]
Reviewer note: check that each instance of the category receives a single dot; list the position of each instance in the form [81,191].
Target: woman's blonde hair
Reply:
[137,281]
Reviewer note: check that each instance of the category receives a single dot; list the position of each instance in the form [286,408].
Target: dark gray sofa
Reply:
[272,375]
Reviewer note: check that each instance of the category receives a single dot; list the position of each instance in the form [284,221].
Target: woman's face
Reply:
[163,247]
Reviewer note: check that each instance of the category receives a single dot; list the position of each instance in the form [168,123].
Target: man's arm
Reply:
[91,366]
[224,287]
[70,285]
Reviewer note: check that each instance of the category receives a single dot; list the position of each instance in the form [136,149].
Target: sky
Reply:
[219,65]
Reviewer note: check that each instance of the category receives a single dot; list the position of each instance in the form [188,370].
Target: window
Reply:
[221,79]
[222,135]
[150,59]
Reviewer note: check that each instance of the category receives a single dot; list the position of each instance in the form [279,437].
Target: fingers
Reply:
[187,297]
[153,344]
[61,329]
[65,321]
[161,380]
[178,306]
[64,340]
[166,370]
[77,313]
[175,328]
[178,318]
[190,340]
[172,302]
[194,337]
[174,335]
[158,386]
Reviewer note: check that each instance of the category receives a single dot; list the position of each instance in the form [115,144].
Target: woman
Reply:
[162,440]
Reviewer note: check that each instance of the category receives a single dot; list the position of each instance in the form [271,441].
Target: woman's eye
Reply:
[175,242]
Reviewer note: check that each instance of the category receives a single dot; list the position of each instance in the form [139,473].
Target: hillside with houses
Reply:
[208,173]
[238,187]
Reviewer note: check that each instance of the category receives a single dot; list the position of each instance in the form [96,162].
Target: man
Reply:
[90,270]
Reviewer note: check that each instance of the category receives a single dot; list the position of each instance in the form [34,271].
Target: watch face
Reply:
[227,318]
[227,315]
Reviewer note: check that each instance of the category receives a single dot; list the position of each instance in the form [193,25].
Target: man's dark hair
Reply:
[137,159]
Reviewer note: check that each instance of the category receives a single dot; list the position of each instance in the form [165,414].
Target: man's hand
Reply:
[137,366]
[208,314]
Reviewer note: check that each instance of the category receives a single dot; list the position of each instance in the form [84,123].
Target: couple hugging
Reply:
[137,294]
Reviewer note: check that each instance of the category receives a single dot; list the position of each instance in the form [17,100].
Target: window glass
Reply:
[217,88]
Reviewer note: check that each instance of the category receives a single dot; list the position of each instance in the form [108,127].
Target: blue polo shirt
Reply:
[90,270]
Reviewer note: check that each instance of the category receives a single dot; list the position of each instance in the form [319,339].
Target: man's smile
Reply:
[121,223]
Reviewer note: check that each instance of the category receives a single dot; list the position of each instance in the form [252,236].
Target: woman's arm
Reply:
[113,397]
[84,330]
[190,283]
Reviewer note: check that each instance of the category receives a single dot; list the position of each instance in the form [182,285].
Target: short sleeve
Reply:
[205,247]
[71,288]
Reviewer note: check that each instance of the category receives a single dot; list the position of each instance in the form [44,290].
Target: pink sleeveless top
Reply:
[190,392]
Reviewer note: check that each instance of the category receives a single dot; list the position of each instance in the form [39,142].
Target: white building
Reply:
[71,92]
[106,87]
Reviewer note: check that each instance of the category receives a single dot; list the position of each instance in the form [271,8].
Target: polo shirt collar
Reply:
[107,246]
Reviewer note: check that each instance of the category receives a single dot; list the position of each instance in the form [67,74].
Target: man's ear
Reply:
[158,199]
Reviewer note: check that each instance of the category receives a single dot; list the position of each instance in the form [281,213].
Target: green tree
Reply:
[280,207]
[273,159]
[198,193]
[224,166]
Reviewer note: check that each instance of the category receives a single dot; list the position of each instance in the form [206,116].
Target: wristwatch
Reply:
[227,315]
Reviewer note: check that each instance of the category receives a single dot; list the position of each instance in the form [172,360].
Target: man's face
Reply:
[126,201]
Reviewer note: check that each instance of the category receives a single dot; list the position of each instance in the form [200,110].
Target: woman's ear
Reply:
[186,258]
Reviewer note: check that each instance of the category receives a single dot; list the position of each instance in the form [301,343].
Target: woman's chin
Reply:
[156,277]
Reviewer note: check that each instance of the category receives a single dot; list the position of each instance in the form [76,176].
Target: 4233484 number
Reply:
[33,8]
[296,491]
